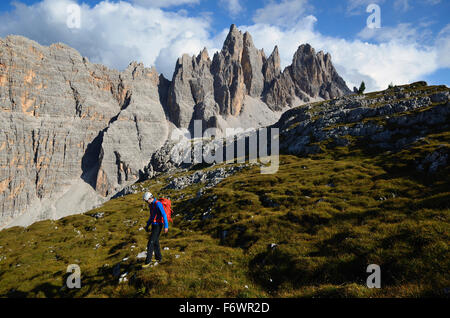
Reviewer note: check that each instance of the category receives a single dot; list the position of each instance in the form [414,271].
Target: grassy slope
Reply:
[330,215]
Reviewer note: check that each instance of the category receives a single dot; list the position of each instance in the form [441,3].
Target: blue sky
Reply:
[412,43]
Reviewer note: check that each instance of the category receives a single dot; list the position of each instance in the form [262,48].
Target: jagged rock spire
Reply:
[252,64]
[315,74]
[122,117]
[309,75]
[233,44]
[240,69]
[271,68]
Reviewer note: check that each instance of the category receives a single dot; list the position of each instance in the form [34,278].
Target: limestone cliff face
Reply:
[309,75]
[271,68]
[134,134]
[229,86]
[74,133]
[65,119]
[315,74]
[241,70]
[252,64]
[388,121]
[191,87]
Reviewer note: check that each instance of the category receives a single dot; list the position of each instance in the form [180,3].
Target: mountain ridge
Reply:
[69,123]
[363,179]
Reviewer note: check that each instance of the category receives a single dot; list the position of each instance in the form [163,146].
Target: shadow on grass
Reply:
[90,284]
[275,268]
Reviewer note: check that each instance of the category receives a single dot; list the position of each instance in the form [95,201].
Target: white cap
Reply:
[147,195]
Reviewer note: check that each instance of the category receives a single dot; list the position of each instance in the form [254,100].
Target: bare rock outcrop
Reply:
[134,134]
[271,68]
[76,133]
[67,123]
[53,103]
[229,85]
[208,90]
[252,64]
[380,121]
[310,75]
[192,84]
[315,75]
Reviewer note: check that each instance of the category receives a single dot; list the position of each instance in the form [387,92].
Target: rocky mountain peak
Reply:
[248,40]
[203,55]
[271,68]
[311,75]
[275,55]
[304,49]
[84,131]
[240,70]
[252,65]
[233,44]
[315,75]
[137,70]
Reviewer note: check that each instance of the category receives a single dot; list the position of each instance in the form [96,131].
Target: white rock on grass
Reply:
[99,215]
[142,254]
[123,280]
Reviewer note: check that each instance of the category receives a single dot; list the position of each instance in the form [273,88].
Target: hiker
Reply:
[158,219]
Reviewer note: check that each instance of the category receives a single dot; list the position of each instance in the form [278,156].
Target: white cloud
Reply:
[403,32]
[378,64]
[116,33]
[164,3]
[266,36]
[432,2]
[113,33]
[234,7]
[359,6]
[382,63]
[443,46]
[402,5]
[284,13]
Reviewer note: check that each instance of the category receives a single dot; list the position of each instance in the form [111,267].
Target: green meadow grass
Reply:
[329,215]
[309,230]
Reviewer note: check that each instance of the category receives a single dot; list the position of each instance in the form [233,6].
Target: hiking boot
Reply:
[146,265]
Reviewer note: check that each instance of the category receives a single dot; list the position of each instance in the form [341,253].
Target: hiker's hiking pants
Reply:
[153,243]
